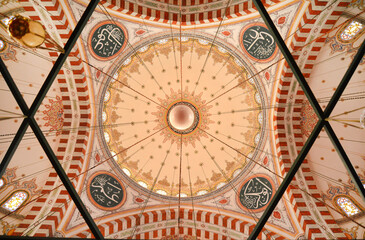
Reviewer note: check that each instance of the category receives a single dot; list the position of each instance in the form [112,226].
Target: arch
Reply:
[82,139]
[195,12]
[282,118]
[347,205]
[15,200]
[163,222]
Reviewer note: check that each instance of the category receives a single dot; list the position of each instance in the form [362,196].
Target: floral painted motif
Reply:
[351,233]
[358,3]
[10,174]
[7,228]
[334,191]
[198,103]
[178,237]
[308,119]
[345,38]
[6,2]
[347,206]
[337,46]
[15,201]
[54,115]
[7,52]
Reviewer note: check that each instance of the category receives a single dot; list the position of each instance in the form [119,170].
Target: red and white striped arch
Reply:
[282,117]
[157,224]
[77,145]
[193,11]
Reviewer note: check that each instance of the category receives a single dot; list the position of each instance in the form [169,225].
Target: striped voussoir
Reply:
[193,11]
[230,228]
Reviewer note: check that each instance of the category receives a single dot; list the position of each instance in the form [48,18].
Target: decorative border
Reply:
[191,129]
[92,33]
[248,179]
[244,49]
[10,194]
[91,198]
[193,11]
[155,224]
[334,202]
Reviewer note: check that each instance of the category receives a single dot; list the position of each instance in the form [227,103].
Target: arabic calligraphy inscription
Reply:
[258,42]
[107,40]
[106,191]
[256,193]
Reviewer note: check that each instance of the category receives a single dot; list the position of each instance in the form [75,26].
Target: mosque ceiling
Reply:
[168,129]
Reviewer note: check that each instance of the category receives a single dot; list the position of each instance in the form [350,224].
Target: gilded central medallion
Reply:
[210,124]
[182,117]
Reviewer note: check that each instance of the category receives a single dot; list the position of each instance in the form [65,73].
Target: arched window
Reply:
[2,182]
[2,45]
[347,206]
[350,31]
[15,200]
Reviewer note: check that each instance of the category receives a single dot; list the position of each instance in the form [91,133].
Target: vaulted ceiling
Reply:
[185,120]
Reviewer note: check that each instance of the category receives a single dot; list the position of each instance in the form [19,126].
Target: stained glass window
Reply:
[107,137]
[15,201]
[351,31]
[347,206]
[104,116]
[2,45]
[115,77]
[107,96]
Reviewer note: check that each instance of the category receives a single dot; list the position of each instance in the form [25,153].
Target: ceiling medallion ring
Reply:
[255,193]
[258,43]
[107,40]
[109,200]
[199,118]
[182,117]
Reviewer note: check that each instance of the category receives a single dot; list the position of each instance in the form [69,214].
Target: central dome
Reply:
[211,122]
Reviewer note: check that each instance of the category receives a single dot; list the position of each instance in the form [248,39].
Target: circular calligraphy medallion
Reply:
[107,40]
[256,193]
[105,191]
[257,42]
